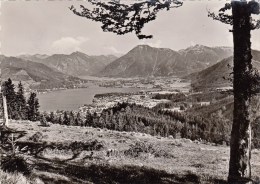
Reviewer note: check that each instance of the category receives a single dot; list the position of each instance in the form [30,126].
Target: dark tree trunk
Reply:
[240,145]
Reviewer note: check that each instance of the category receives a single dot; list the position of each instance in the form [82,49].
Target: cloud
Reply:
[67,45]
[155,43]
[113,49]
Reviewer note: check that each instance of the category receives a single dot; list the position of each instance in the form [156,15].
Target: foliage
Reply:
[33,107]
[17,106]
[17,178]
[21,102]
[9,92]
[43,121]
[37,137]
[252,6]
[13,163]
[131,117]
[138,148]
[122,18]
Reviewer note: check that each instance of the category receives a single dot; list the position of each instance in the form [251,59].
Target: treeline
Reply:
[131,117]
[196,97]
[203,125]
[65,118]
[105,95]
[18,106]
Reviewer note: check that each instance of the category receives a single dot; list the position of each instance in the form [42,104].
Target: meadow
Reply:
[73,154]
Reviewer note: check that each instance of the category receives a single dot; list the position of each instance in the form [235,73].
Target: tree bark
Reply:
[240,144]
[6,120]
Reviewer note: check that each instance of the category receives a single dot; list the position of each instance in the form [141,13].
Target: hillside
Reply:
[67,153]
[204,55]
[75,64]
[146,61]
[36,75]
[216,75]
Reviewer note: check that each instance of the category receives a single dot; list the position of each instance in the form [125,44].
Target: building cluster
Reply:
[104,102]
[171,83]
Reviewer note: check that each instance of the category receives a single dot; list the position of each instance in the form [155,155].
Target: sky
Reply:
[49,27]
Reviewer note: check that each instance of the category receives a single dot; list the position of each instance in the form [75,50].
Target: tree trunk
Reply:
[6,120]
[240,144]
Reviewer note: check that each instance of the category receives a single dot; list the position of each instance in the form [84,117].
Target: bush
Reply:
[44,122]
[37,137]
[14,164]
[139,147]
[89,145]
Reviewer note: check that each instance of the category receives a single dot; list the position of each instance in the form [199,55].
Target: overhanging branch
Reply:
[121,18]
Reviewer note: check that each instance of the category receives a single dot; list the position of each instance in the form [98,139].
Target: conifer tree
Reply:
[21,102]
[60,120]
[52,118]
[33,107]
[71,118]
[9,92]
[89,119]
[66,119]
[78,120]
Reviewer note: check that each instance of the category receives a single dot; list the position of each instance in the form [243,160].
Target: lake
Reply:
[72,99]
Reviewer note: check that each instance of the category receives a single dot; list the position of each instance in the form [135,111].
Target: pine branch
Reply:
[221,16]
[255,24]
[253,8]
[121,18]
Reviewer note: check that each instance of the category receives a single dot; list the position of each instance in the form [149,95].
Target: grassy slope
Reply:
[212,77]
[185,161]
[17,178]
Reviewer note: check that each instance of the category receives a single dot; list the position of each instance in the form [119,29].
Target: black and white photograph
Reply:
[130,92]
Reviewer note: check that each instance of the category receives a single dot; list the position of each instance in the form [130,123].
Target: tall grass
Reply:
[17,178]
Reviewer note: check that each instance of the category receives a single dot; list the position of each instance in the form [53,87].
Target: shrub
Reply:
[139,147]
[44,122]
[13,164]
[89,145]
[37,137]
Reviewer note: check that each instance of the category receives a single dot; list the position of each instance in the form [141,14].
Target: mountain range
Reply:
[36,75]
[75,64]
[204,66]
[217,75]
[146,61]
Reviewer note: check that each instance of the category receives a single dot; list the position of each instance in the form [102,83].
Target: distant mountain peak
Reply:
[142,46]
[41,56]
[197,47]
[144,60]
[77,52]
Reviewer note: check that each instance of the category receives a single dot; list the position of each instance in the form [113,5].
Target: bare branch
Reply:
[121,18]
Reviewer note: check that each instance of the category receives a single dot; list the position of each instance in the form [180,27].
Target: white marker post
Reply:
[5,112]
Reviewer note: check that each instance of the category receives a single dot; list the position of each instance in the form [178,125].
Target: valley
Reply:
[59,71]
[154,112]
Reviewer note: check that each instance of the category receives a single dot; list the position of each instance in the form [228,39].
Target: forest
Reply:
[18,107]
[202,125]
